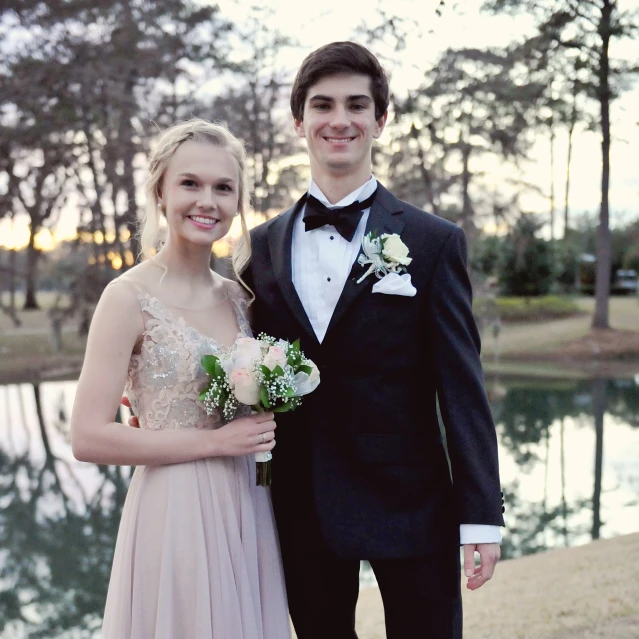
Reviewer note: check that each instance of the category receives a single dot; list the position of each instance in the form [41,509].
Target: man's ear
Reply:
[298,126]
[380,124]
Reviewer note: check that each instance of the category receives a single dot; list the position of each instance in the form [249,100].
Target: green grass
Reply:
[528,309]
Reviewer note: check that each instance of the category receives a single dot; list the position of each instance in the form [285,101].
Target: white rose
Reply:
[245,388]
[276,356]
[314,374]
[247,351]
[305,383]
[395,250]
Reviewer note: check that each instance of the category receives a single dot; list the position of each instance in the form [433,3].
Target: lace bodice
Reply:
[165,376]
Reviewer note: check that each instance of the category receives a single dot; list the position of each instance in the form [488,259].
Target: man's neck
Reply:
[336,188]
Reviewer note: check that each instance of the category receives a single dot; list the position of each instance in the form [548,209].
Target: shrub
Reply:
[529,309]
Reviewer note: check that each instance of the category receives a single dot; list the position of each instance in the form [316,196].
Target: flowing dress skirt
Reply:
[197,556]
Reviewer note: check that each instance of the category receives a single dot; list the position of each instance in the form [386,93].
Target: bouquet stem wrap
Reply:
[263,476]
[263,473]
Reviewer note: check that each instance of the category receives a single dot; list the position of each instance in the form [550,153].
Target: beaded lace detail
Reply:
[165,377]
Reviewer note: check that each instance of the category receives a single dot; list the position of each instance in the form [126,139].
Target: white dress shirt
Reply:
[321,262]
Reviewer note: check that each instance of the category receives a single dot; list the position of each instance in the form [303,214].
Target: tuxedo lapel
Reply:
[280,240]
[384,217]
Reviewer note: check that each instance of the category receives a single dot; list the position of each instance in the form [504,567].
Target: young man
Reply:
[360,469]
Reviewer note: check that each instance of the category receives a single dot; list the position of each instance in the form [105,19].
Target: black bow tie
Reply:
[344,218]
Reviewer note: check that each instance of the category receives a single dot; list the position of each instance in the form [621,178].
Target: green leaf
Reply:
[266,370]
[303,368]
[264,397]
[210,363]
[278,371]
[202,395]
[296,345]
[284,408]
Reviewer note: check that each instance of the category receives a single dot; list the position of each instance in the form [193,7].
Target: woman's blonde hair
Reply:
[202,132]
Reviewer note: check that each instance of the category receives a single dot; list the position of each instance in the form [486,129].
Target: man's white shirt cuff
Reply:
[479,534]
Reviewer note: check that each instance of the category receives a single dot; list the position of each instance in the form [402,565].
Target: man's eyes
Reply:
[353,107]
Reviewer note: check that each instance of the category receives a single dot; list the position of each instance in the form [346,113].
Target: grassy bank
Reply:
[588,592]
[560,347]
[567,347]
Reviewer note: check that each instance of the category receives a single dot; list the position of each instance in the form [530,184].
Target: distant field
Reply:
[544,336]
[31,320]
[26,350]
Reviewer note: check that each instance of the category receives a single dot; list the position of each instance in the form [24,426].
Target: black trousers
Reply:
[421,595]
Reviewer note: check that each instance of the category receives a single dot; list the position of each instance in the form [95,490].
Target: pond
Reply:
[568,457]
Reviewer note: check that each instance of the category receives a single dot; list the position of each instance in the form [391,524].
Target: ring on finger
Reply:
[264,438]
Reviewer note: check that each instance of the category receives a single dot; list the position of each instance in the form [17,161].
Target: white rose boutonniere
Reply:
[394,250]
[387,257]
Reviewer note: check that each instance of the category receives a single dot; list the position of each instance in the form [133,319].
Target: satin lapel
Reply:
[384,217]
[280,240]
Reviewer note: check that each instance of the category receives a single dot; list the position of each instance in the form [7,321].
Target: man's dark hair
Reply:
[334,58]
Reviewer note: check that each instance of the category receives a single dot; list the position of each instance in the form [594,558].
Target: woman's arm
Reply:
[116,327]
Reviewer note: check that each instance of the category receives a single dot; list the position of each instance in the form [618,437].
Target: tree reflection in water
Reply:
[57,538]
[59,518]
[526,416]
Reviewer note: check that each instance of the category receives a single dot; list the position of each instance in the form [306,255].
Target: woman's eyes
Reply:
[193,184]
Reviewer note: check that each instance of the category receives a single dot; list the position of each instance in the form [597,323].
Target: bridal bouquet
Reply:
[263,373]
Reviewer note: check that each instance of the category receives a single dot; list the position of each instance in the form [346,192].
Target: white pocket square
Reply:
[395,284]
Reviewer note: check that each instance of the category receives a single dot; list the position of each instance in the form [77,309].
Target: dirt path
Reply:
[588,592]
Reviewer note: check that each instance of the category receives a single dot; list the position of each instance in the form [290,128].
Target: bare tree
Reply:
[590,28]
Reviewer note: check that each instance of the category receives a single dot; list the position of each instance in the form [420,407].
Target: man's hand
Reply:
[488,557]
[133,420]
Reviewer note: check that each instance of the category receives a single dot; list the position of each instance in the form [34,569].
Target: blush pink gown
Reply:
[197,555]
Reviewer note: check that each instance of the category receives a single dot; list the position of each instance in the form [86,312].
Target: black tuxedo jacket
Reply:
[363,456]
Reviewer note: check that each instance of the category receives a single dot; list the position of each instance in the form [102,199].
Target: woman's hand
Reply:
[243,436]
[246,435]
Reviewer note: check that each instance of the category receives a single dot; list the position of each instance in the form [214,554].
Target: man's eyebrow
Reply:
[350,98]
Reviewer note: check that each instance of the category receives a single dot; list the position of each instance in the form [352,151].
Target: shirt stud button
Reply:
[332,238]
[328,279]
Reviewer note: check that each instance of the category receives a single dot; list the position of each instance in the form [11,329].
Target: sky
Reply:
[460,25]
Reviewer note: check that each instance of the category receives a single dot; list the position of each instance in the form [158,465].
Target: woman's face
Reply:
[200,192]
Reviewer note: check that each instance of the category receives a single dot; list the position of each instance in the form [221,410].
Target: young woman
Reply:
[197,555]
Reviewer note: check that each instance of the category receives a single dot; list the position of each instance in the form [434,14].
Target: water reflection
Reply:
[568,460]
[562,485]
[59,520]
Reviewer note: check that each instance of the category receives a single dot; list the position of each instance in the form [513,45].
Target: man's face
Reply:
[339,124]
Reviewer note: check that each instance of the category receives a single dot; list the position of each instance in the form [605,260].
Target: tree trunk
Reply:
[604,250]
[599,410]
[571,130]
[129,107]
[12,279]
[564,505]
[552,179]
[467,222]
[427,178]
[30,301]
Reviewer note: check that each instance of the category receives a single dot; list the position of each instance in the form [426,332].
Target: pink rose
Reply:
[245,388]
[276,356]
[247,352]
